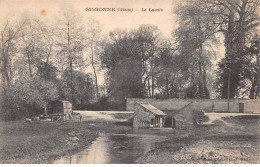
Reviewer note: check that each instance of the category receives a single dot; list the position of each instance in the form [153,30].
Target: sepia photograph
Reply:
[129,82]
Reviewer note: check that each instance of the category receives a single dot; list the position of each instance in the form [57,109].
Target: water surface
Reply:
[115,148]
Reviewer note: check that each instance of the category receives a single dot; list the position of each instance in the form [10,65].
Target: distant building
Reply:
[183,113]
[147,115]
[59,110]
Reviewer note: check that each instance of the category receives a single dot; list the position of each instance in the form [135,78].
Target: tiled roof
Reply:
[152,109]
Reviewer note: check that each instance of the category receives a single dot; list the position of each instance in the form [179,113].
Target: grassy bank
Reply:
[231,140]
[43,142]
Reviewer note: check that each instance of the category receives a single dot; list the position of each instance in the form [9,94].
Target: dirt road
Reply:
[112,116]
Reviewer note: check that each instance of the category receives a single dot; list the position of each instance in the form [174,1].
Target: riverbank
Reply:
[227,140]
[223,139]
[44,142]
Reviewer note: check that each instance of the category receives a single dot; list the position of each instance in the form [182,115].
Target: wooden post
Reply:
[228,90]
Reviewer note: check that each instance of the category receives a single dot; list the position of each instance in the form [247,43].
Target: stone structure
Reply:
[147,115]
[59,110]
[183,113]
[208,105]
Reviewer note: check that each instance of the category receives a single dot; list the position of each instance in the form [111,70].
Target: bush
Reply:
[26,98]
[105,104]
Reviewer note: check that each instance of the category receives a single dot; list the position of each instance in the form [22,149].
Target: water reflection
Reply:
[114,148]
[97,153]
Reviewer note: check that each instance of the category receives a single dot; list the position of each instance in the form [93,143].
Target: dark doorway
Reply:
[241,107]
[152,122]
[173,122]
[169,122]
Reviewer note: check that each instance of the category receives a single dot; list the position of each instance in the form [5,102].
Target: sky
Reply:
[47,9]
[110,20]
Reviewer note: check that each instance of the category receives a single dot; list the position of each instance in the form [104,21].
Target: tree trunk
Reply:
[167,85]
[252,92]
[2,59]
[5,62]
[200,63]
[93,66]
[29,64]
[47,62]
[149,87]
[257,95]
[152,83]
[71,65]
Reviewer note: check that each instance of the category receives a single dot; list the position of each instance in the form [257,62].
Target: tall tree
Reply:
[194,36]
[124,66]
[10,35]
[95,40]
[167,68]
[237,19]
[251,70]
[71,42]
[31,45]
[147,39]
[46,49]
[84,89]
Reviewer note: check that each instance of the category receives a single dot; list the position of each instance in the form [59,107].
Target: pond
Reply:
[115,148]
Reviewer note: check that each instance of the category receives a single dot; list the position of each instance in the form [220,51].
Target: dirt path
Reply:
[102,115]
[225,138]
[214,117]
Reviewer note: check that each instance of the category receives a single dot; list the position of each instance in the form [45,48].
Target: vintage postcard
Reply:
[129,82]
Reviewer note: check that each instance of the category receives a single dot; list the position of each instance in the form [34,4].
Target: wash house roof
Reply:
[152,109]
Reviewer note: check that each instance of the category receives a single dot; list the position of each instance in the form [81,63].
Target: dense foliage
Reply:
[44,61]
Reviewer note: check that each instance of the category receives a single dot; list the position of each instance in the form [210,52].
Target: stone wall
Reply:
[184,118]
[142,118]
[210,105]
[168,104]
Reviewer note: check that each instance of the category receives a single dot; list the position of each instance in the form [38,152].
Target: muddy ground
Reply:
[228,139]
